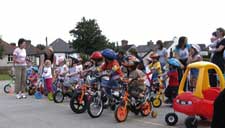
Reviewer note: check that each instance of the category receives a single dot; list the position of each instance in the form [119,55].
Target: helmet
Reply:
[38,95]
[109,54]
[96,55]
[196,47]
[132,60]
[35,69]
[154,55]
[174,62]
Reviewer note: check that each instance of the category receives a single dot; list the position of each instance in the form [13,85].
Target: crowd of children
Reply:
[70,72]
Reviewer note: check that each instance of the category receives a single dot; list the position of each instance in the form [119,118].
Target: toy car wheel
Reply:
[191,122]
[76,106]
[146,109]
[7,88]
[171,119]
[58,97]
[121,113]
[157,102]
[203,118]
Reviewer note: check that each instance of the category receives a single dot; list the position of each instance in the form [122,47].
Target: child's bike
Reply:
[10,85]
[135,105]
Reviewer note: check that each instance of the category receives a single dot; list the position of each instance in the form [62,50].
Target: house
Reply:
[125,46]
[145,50]
[7,58]
[62,49]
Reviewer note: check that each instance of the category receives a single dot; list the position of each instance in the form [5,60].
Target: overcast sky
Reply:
[138,21]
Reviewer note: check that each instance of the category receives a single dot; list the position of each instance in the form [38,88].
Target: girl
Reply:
[194,56]
[47,75]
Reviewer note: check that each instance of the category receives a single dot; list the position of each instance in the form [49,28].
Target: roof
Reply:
[126,47]
[201,64]
[60,46]
[7,48]
[167,44]
[144,48]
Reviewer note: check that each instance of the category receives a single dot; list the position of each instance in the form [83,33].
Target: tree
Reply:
[88,37]
[40,46]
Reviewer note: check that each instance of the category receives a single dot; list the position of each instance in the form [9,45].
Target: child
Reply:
[137,87]
[173,84]
[72,79]
[33,78]
[112,65]
[28,71]
[155,66]
[62,69]
[194,56]
[47,75]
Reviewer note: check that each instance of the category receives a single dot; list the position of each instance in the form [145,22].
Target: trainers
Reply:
[23,95]
[18,96]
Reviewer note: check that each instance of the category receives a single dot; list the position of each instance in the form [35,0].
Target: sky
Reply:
[137,21]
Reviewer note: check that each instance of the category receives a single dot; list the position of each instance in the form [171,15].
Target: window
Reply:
[10,58]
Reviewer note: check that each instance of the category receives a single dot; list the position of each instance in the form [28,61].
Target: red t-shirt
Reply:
[113,65]
[173,78]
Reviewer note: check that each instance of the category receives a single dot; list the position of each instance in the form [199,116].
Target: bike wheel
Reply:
[157,102]
[121,113]
[7,88]
[58,97]
[95,107]
[146,109]
[76,106]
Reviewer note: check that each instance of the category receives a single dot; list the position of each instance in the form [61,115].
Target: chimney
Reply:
[124,43]
[150,43]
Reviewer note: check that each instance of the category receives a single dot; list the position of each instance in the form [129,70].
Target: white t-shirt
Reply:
[162,53]
[20,56]
[62,69]
[47,72]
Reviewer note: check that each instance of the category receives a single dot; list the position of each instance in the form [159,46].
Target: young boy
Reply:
[137,86]
[112,65]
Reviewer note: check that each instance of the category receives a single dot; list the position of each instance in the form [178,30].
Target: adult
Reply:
[162,52]
[19,61]
[182,53]
[48,55]
[218,55]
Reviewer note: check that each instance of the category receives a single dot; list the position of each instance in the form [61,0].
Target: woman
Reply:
[19,61]
[48,55]
[218,55]
[162,52]
[182,53]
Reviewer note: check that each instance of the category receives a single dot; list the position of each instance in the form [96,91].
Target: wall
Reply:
[4,62]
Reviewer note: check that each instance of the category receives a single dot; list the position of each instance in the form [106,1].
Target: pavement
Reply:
[33,113]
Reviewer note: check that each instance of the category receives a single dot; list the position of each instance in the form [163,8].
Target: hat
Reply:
[38,95]
[35,69]
[196,47]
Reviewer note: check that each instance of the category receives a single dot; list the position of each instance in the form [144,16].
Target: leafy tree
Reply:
[40,46]
[88,37]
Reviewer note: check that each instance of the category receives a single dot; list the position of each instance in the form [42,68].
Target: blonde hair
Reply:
[48,62]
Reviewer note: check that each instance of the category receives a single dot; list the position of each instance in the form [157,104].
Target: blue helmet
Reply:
[174,62]
[38,95]
[109,54]
[35,69]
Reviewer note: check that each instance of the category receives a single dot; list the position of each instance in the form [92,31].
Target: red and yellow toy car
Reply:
[200,101]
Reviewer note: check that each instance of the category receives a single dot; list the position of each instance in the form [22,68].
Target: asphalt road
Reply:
[33,113]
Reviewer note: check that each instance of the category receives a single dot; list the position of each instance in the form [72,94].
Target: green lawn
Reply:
[4,77]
